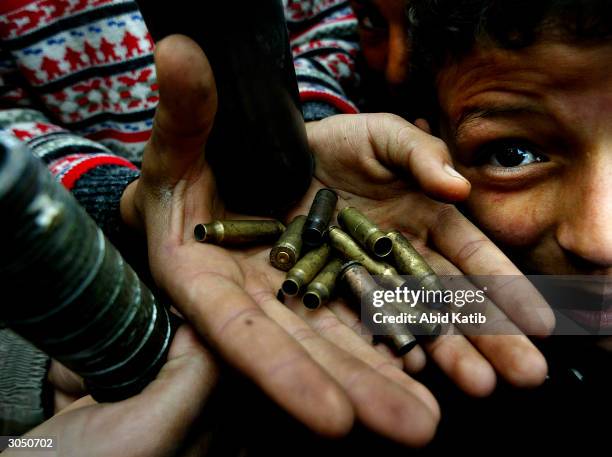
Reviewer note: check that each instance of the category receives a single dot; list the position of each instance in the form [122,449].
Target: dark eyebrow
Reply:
[501,111]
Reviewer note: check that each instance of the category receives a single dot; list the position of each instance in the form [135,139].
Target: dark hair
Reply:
[443,31]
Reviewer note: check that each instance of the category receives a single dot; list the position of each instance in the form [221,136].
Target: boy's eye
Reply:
[508,155]
[369,16]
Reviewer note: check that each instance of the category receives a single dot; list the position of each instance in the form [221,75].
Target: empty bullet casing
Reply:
[305,270]
[410,262]
[345,245]
[322,286]
[236,233]
[319,216]
[286,251]
[361,286]
[365,231]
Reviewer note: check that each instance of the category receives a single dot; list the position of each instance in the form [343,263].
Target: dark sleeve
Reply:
[24,401]
[94,175]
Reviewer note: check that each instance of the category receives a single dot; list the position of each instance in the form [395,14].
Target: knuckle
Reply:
[470,250]
[445,214]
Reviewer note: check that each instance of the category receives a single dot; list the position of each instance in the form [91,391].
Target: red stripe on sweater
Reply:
[348,18]
[10,5]
[341,104]
[126,137]
[73,175]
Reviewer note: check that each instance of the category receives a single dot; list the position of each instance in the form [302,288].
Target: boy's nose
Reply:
[586,227]
[396,70]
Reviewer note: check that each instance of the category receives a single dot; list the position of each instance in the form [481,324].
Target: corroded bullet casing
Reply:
[365,231]
[322,286]
[238,232]
[348,248]
[410,262]
[305,270]
[286,251]
[319,217]
[361,286]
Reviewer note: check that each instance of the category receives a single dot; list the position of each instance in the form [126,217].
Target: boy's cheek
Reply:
[513,219]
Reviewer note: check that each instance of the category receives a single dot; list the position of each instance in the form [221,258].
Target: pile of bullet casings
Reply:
[317,257]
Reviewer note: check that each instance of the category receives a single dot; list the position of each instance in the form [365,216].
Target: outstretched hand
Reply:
[315,366]
[398,174]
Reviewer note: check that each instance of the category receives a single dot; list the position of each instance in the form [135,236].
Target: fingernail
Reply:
[454,173]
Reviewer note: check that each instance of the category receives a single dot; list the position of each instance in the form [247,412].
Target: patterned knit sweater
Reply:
[78,85]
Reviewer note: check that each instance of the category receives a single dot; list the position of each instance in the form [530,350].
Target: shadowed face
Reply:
[532,131]
[384,38]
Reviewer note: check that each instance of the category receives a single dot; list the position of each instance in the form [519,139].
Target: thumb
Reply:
[402,145]
[186,110]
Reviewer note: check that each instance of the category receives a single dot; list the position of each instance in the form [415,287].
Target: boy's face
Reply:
[384,38]
[532,131]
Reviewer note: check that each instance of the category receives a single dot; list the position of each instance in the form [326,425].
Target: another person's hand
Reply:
[398,174]
[319,369]
[67,386]
[153,423]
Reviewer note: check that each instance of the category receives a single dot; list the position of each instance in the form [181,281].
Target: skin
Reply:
[230,296]
[378,163]
[154,423]
[384,38]
[552,213]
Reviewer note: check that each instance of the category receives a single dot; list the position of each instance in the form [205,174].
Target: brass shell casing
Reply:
[365,231]
[286,251]
[361,285]
[410,262]
[348,248]
[322,286]
[305,270]
[239,232]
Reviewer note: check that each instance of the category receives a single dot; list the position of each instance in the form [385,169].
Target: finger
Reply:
[66,380]
[512,355]
[466,247]
[329,326]
[351,320]
[400,144]
[62,400]
[423,125]
[462,363]
[186,110]
[383,406]
[413,362]
[250,341]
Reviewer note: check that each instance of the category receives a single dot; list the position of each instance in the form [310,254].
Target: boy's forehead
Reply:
[532,73]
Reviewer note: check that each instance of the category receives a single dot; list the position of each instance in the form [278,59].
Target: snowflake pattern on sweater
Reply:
[78,83]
